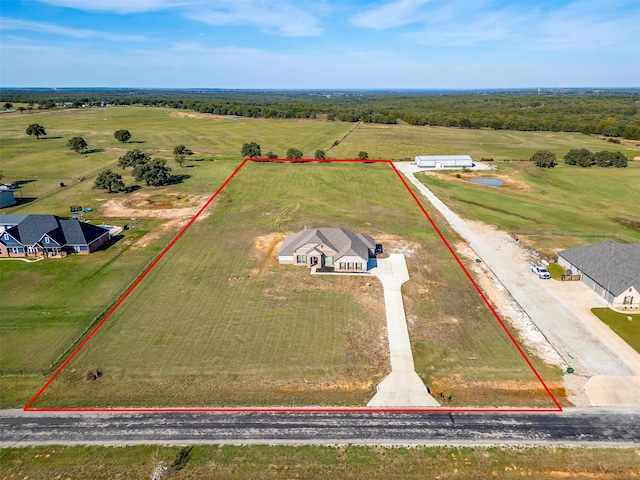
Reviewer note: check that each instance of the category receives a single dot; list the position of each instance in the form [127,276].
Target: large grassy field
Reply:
[36,322]
[398,142]
[218,322]
[232,462]
[559,207]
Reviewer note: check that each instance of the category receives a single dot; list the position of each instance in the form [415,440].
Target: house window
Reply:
[328,261]
[628,300]
[350,266]
[301,259]
[47,240]
[342,266]
[6,236]
[358,266]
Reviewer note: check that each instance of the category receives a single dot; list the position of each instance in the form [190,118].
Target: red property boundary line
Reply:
[29,407]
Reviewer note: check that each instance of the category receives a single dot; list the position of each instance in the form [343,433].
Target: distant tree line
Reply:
[611,115]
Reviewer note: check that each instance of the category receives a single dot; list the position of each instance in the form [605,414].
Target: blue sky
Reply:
[331,44]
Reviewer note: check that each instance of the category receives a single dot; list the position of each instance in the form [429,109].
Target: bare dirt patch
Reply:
[265,250]
[464,177]
[160,231]
[157,205]
[195,115]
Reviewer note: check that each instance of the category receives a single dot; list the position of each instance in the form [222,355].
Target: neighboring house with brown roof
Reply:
[329,249]
[611,269]
[48,236]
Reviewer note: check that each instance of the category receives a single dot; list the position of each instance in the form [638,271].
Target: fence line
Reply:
[61,354]
[566,233]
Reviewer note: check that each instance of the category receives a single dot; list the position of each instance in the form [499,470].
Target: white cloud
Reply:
[390,15]
[283,17]
[8,23]
[119,6]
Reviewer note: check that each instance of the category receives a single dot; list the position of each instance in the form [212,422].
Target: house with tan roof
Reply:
[328,249]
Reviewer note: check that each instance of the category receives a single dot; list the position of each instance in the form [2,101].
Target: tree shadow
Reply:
[50,138]
[132,188]
[179,178]
[136,141]
[24,200]
[94,150]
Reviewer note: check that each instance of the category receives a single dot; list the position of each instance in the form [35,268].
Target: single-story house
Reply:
[328,249]
[611,269]
[48,235]
[444,161]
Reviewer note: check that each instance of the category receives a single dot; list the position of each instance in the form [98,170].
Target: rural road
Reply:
[572,427]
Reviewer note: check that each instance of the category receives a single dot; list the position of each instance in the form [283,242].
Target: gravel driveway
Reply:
[560,310]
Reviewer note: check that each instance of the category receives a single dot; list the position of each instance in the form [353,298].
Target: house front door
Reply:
[313,261]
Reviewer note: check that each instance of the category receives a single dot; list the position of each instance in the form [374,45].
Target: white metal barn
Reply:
[444,161]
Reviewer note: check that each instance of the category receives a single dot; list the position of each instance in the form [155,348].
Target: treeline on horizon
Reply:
[611,115]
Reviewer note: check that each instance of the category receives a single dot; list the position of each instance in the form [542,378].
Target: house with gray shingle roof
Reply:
[609,268]
[329,249]
[48,236]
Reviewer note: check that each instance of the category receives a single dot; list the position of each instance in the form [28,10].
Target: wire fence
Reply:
[568,233]
[65,350]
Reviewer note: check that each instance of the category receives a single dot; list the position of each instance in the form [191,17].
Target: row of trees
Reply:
[614,114]
[582,158]
[585,158]
[253,150]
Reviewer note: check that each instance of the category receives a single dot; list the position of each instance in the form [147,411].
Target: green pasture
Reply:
[46,303]
[398,142]
[366,198]
[558,208]
[626,325]
[46,162]
[235,462]
[219,323]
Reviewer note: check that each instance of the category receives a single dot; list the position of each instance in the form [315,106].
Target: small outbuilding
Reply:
[444,161]
[7,198]
[609,268]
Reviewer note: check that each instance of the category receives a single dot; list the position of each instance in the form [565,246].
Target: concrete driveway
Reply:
[402,387]
[560,310]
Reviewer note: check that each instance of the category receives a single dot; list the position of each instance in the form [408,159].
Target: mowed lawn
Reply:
[219,323]
[566,205]
[46,304]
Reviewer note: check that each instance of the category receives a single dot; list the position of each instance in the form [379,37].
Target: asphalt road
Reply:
[573,427]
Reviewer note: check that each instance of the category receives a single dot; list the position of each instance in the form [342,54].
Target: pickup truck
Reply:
[540,270]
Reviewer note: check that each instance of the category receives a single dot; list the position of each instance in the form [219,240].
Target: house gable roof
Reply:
[613,265]
[32,229]
[342,241]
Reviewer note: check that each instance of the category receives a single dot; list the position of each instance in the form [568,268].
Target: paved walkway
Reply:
[560,310]
[402,387]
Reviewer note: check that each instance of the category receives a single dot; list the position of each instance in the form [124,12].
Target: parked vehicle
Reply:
[540,270]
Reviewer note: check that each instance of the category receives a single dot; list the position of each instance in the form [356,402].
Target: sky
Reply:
[320,44]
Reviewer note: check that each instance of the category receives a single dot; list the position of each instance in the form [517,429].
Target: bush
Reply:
[544,159]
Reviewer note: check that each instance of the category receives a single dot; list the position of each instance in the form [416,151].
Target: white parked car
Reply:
[540,270]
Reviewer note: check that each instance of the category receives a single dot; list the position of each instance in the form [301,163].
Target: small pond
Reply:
[494,182]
